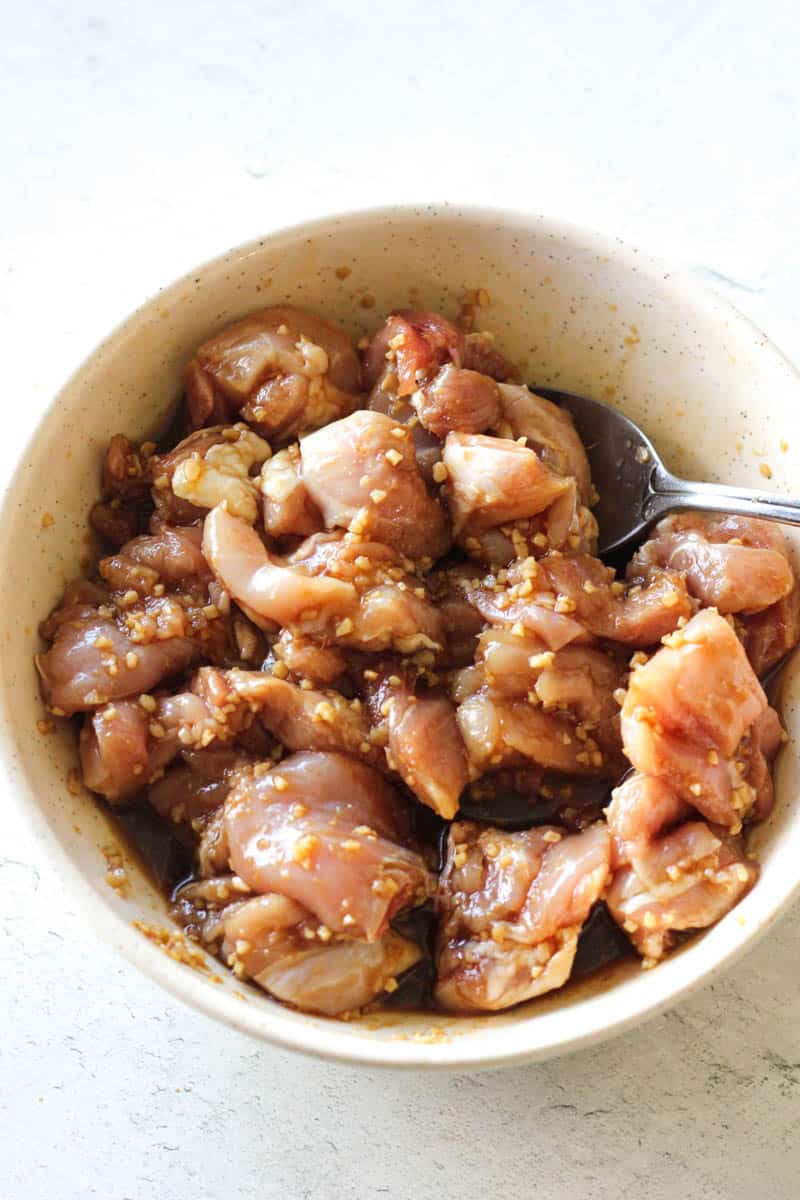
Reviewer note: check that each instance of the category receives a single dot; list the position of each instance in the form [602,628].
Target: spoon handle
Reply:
[669,494]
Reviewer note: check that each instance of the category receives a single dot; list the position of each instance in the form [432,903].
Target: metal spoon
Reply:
[635,487]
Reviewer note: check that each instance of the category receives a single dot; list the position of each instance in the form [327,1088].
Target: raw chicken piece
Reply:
[267,590]
[415,345]
[567,598]
[565,525]
[735,564]
[325,831]
[118,755]
[393,618]
[425,746]
[550,432]
[288,508]
[171,555]
[157,618]
[125,506]
[81,599]
[757,751]
[457,400]
[511,906]
[638,616]
[687,709]
[494,481]
[170,507]
[394,608]
[284,369]
[387,610]
[521,602]
[222,705]
[126,469]
[222,474]
[92,661]
[480,355]
[127,744]
[497,732]
[768,636]
[579,679]
[641,808]
[206,405]
[362,474]
[414,370]
[305,659]
[301,719]
[704,876]
[280,946]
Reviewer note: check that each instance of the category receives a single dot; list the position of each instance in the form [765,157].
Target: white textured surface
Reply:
[139,139]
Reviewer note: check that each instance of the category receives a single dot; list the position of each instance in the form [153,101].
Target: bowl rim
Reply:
[331,1040]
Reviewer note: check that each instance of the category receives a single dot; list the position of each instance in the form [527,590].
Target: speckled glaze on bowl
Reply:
[581,312]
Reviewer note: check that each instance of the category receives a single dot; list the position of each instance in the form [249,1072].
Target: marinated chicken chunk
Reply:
[283,370]
[300,718]
[288,510]
[325,831]
[92,660]
[457,401]
[170,507]
[126,477]
[687,710]
[695,878]
[118,754]
[734,564]
[423,741]
[769,635]
[509,732]
[642,808]
[549,431]
[578,680]
[156,617]
[171,556]
[283,948]
[511,906]
[362,474]
[494,481]
[379,610]
[565,598]
[306,659]
[413,346]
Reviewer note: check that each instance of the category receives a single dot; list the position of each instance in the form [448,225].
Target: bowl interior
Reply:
[578,312]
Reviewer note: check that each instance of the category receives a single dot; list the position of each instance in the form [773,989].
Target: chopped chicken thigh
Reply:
[494,481]
[283,369]
[325,831]
[424,743]
[511,906]
[362,474]
[686,711]
[282,947]
[734,564]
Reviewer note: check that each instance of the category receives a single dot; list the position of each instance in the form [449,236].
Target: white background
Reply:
[137,139]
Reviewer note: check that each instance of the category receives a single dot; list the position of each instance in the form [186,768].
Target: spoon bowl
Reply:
[636,489]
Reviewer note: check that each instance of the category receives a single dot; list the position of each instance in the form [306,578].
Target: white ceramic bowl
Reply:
[583,313]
